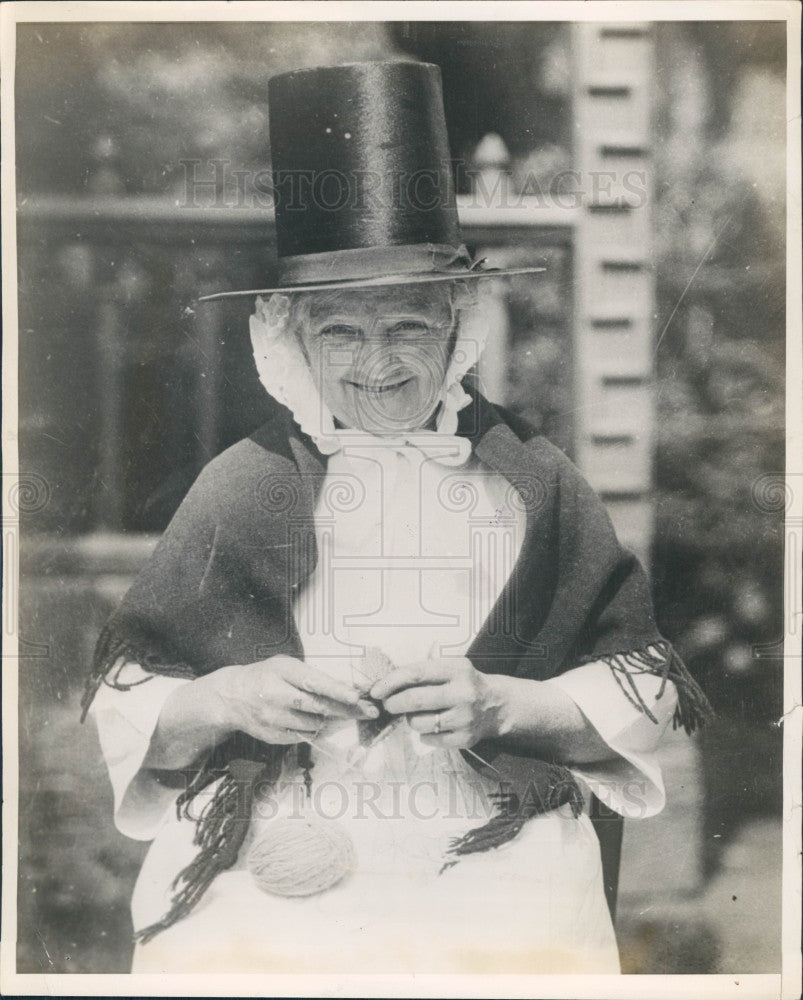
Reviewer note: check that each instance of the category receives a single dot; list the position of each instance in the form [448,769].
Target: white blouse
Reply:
[413,553]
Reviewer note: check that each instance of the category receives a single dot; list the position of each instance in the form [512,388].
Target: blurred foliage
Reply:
[126,108]
[509,78]
[720,252]
[122,104]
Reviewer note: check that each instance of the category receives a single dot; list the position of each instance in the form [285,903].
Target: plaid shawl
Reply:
[219,590]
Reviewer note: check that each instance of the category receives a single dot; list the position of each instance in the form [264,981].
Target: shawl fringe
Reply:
[561,788]
[220,832]
[660,660]
[113,647]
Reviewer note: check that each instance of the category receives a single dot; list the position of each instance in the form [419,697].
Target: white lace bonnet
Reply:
[285,374]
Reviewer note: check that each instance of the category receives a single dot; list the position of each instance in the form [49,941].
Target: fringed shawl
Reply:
[220,585]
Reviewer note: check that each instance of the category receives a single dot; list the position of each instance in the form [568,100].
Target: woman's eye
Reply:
[412,328]
[339,331]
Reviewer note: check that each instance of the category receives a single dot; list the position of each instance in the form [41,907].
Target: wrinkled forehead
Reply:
[427,300]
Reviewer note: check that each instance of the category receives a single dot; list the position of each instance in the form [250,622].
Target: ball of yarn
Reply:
[300,856]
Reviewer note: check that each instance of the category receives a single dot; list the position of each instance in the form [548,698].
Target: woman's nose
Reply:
[378,332]
[376,344]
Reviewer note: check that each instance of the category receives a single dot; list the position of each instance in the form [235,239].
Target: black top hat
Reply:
[362,179]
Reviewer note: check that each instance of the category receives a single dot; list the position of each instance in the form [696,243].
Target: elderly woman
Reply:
[389,641]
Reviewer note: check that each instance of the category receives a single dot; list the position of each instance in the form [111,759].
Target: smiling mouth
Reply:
[380,388]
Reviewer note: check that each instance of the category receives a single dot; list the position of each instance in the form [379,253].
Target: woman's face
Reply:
[379,355]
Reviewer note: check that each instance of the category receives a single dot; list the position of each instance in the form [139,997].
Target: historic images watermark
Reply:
[774,494]
[454,797]
[217,183]
[24,494]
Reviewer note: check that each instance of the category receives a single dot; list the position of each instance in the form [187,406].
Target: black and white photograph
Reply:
[402,499]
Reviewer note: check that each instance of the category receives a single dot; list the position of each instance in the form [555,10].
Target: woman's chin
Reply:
[394,412]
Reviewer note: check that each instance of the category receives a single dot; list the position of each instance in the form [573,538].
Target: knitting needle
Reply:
[320,749]
[482,761]
[383,735]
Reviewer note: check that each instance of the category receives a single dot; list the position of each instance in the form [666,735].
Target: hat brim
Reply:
[398,279]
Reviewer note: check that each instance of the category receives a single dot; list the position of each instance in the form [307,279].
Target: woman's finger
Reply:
[449,721]
[302,701]
[413,675]
[420,699]
[314,681]
[447,741]
[302,722]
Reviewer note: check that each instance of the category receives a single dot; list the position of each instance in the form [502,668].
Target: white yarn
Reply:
[301,856]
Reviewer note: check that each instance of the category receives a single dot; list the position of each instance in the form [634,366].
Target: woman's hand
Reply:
[279,700]
[282,700]
[452,704]
[445,699]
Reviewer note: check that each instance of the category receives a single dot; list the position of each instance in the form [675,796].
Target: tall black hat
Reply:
[362,177]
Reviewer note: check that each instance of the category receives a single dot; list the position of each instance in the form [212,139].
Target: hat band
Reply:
[368,262]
